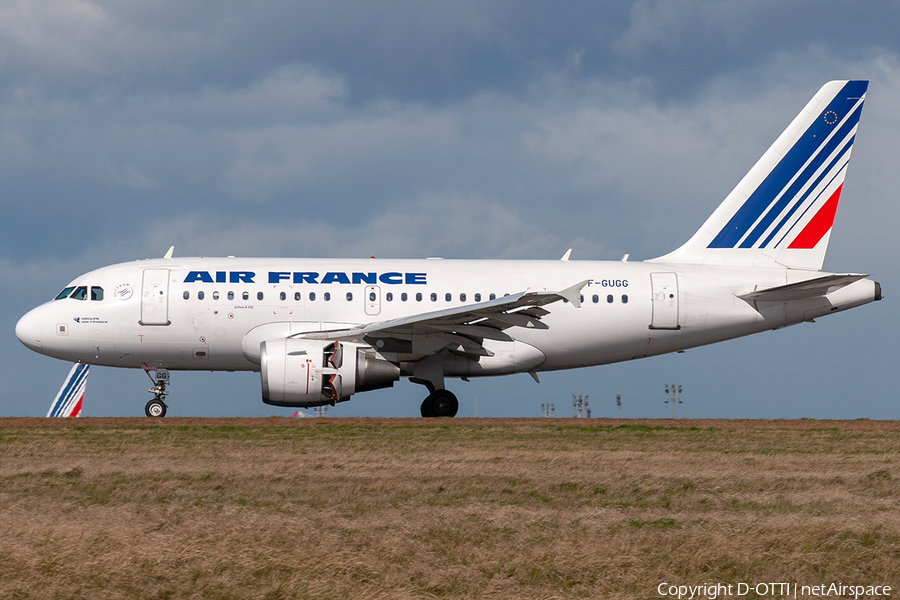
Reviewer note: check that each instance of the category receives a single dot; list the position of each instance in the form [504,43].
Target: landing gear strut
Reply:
[157,407]
[440,403]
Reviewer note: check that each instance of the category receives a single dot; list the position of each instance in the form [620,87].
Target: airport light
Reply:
[619,404]
[673,393]
[581,403]
[321,410]
[548,409]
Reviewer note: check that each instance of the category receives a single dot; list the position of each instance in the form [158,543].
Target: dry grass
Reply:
[368,508]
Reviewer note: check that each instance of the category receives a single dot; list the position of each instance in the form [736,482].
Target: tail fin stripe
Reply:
[819,225]
[835,173]
[799,154]
[72,390]
[845,134]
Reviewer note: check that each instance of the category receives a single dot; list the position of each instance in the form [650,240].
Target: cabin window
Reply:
[418,296]
[96,293]
[200,295]
[297,296]
[609,299]
[349,296]
[259,295]
[186,295]
[581,298]
[403,297]
[389,296]
[65,293]
[433,297]
[80,293]
[624,298]
[493,296]
[282,296]
[596,298]
[448,297]
[231,295]
[477,297]
[215,295]
[312,296]
[245,295]
[327,296]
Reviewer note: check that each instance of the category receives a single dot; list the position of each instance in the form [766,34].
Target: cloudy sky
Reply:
[465,130]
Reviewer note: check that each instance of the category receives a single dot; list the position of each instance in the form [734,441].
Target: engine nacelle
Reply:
[304,373]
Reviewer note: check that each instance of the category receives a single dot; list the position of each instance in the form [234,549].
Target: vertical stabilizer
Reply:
[781,212]
[71,395]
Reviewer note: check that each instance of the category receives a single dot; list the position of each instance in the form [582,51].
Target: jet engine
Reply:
[304,373]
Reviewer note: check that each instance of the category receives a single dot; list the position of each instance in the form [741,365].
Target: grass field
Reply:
[464,508]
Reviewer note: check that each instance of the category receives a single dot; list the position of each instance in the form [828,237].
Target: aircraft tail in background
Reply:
[781,212]
[71,395]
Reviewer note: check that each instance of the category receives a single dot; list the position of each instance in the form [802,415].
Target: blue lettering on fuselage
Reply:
[390,278]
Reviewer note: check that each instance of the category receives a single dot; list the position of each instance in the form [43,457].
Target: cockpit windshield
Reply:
[65,293]
[81,293]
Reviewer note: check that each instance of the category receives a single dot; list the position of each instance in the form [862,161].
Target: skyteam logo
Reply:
[794,206]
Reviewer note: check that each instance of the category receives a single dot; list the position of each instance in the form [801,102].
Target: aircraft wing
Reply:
[820,286]
[465,326]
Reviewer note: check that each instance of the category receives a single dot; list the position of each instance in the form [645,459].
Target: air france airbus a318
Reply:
[321,330]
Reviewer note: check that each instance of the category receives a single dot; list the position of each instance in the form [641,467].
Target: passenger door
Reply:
[155,297]
[665,301]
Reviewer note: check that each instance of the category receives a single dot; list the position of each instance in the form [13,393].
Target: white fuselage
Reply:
[208,314]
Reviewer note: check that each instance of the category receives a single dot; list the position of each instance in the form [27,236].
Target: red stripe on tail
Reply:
[819,225]
[76,411]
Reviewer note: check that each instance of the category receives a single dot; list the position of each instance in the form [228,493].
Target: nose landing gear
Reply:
[157,407]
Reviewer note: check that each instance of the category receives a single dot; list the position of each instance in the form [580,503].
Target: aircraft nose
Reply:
[28,329]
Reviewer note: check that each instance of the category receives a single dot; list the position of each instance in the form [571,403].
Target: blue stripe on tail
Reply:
[802,151]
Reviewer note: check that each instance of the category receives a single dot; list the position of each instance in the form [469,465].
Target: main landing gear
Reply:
[440,403]
[157,407]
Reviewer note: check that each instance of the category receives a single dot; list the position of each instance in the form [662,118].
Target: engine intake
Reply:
[305,373]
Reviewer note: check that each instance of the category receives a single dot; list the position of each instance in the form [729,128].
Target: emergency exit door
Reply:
[373,300]
[665,301]
[155,297]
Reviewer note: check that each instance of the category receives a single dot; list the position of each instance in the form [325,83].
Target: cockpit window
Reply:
[65,293]
[80,293]
[96,293]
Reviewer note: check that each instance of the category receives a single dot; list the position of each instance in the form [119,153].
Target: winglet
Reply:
[170,252]
[573,294]
[565,257]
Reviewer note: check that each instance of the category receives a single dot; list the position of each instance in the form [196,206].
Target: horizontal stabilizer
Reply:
[820,286]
